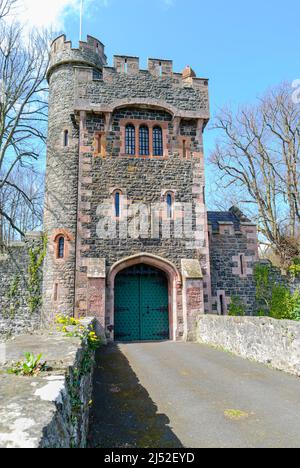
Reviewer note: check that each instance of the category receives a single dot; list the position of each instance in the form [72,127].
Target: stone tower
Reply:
[61,199]
[129,239]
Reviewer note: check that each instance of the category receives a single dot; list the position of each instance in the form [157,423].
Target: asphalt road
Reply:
[163,395]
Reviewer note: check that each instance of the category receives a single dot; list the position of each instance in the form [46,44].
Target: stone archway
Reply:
[174,285]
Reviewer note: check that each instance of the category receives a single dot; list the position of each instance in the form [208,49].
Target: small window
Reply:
[158,149]
[97,75]
[144,141]
[184,151]
[56,292]
[169,205]
[126,67]
[61,247]
[117,204]
[160,69]
[130,139]
[99,144]
[222,305]
[242,265]
[66,138]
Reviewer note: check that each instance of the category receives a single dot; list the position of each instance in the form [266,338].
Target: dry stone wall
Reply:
[15,314]
[272,342]
[49,410]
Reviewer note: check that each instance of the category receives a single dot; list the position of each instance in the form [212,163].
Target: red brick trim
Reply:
[68,237]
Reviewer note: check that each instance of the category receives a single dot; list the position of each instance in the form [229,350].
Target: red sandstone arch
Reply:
[174,282]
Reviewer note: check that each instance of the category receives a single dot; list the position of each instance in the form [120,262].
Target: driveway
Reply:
[173,395]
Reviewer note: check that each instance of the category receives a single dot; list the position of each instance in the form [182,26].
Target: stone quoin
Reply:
[130,238]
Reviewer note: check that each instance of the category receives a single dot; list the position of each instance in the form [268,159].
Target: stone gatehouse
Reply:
[130,239]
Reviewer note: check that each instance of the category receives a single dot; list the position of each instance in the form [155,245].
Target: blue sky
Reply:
[242,47]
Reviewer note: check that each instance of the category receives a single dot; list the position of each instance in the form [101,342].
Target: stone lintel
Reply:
[191,269]
[88,106]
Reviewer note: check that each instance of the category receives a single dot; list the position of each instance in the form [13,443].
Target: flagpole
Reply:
[81,14]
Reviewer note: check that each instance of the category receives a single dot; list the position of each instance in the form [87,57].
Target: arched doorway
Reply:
[141,305]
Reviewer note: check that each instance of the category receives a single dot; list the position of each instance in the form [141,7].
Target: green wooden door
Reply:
[141,305]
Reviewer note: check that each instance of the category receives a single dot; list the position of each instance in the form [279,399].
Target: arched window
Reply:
[170,205]
[118,204]
[144,141]
[61,247]
[66,138]
[130,139]
[158,149]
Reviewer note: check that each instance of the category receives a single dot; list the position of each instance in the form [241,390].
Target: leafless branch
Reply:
[23,105]
[258,153]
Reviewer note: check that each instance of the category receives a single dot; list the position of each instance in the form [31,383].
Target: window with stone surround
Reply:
[148,138]
[242,264]
[117,200]
[61,247]
[158,146]
[66,138]
[55,292]
[130,139]
[100,144]
[222,303]
[170,205]
[61,240]
[144,149]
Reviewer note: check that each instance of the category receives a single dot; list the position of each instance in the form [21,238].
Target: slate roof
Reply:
[216,217]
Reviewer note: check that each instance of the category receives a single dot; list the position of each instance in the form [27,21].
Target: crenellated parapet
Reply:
[183,95]
[101,88]
[89,53]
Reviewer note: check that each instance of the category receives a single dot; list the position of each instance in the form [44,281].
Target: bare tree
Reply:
[27,214]
[6,7]
[258,155]
[23,104]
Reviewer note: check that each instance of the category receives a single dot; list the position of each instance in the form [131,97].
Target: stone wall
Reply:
[233,253]
[277,277]
[272,342]
[15,314]
[141,181]
[50,410]
[117,86]
[89,100]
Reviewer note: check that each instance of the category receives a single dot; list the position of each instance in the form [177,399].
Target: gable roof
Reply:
[232,216]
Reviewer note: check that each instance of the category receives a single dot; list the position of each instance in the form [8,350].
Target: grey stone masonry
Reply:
[49,410]
[15,314]
[183,95]
[89,106]
[272,342]
[233,253]
[61,191]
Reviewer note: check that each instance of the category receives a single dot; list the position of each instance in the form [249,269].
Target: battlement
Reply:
[89,53]
[160,68]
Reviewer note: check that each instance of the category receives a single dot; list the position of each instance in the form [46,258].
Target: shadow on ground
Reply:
[123,414]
